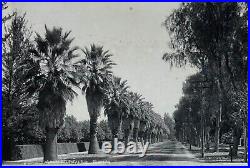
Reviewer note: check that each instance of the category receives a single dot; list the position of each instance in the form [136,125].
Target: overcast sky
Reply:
[133,33]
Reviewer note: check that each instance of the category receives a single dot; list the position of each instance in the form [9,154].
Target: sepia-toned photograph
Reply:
[125,83]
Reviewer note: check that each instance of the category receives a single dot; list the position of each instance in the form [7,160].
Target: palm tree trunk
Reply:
[94,99]
[135,135]
[50,150]
[126,137]
[145,138]
[128,126]
[115,126]
[142,140]
[93,145]
[180,136]
[142,129]
[150,138]
[114,136]
[136,130]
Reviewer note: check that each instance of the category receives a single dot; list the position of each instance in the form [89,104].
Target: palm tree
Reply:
[127,125]
[144,120]
[151,126]
[96,78]
[116,103]
[160,125]
[131,116]
[137,98]
[52,76]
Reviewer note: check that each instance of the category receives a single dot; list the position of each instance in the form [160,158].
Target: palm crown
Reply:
[97,67]
[52,74]
[116,100]
[134,105]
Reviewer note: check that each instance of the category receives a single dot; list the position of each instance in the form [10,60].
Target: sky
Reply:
[132,32]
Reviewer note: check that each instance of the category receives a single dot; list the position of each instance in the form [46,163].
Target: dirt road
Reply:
[163,153]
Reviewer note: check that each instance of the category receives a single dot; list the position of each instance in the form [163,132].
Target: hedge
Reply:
[21,152]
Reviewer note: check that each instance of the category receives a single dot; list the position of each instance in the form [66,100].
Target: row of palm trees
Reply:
[55,69]
[129,111]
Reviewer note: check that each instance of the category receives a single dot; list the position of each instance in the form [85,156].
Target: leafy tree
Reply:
[19,112]
[210,37]
[85,127]
[71,131]
[104,132]
[170,124]
[74,131]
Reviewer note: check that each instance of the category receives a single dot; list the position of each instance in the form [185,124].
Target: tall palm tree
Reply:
[51,76]
[116,103]
[138,115]
[132,114]
[96,77]
[142,128]
[127,125]
[158,127]
[151,126]
[146,107]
